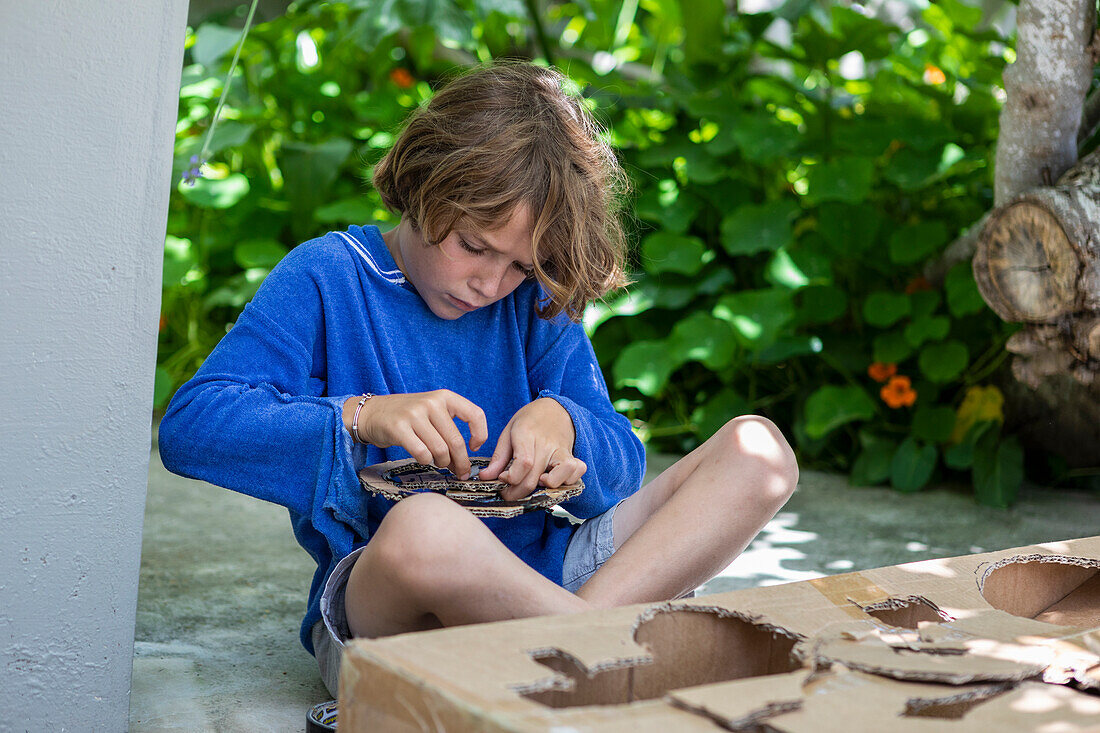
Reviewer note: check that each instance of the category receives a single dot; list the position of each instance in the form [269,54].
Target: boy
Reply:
[457,330]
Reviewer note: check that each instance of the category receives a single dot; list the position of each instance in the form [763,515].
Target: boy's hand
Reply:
[535,447]
[423,424]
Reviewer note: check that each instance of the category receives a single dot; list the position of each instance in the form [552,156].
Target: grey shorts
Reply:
[593,541]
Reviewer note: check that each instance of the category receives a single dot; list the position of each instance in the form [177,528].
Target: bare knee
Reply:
[764,454]
[418,539]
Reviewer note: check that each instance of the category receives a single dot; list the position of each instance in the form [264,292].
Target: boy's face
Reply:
[469,269]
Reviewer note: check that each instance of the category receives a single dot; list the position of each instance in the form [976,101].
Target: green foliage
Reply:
[790,189]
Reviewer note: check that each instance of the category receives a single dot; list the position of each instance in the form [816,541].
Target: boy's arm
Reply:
[569,373]
[253,417]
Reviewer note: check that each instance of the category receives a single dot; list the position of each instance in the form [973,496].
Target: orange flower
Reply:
[898,393]
[881,372]
[933,75]
[163,322]
[920,282]
[402,78]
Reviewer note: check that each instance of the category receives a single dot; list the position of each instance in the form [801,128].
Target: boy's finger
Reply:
[501,456]
[523,474]
[558,474]
[460,407]
[579,469]
[427,433]
[416,448]
[459,460]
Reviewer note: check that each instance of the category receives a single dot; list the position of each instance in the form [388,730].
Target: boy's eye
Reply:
[528,272]
[469,248]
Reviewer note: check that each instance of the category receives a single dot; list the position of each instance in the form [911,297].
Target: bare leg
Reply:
[686,525]
[432,563]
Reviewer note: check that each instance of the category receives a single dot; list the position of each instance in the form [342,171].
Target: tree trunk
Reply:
[1038,253]
[1046,90]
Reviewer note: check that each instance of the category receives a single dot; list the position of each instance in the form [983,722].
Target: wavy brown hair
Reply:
[508,134]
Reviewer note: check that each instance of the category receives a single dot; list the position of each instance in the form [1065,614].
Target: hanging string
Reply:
[195,171]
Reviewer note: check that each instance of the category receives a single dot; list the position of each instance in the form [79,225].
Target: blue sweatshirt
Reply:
[336,318]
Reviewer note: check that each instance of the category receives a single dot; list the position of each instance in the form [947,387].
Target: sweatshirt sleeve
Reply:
[568,372]
[255,418]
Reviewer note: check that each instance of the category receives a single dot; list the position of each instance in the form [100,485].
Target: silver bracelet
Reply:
[355,420]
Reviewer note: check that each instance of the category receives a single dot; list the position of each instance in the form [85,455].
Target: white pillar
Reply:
[88,99]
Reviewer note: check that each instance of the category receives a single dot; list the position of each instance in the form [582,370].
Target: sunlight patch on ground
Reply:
[765,559]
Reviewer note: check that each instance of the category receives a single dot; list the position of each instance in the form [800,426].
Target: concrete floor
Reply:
[223,583]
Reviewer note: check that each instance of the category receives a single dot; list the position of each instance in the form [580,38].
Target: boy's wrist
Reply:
[355,406]
[567,424]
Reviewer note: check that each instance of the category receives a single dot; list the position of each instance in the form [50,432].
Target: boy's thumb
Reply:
[500,457]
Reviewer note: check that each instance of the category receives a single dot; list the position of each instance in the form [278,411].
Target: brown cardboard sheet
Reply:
[916,644]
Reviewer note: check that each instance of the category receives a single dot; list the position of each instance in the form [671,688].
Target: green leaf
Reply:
[933,424]
[715,281]
[669,252]
[757,316]
[927,329]
[163,388]
[209,193]
[849,229]
[702,337]
[717,411]
[891,348]
[911,169]
[924,303]
[783,270]
[309,170]
[963,297]
[674,210]
[916,242]
[786,347]
[762,138]
[912,465]
[998,470]
[212,42]
[944,361]
[511,8]
[354,210]
[644,365]
[872,466]
[961,456]
[703,31]
[865,136]
[884,309]
[228,134]
[818,304]
[757,228]
[829,407]
[178,260]
[380,18]
[259,253]
[845,179]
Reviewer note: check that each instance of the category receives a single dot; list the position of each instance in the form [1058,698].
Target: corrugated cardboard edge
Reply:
[405,702]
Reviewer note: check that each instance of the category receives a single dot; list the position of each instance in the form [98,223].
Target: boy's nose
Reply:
[490,283]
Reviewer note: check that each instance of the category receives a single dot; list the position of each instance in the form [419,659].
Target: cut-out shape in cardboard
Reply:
[1055,589]
[906,612]
[397,480]
[690,647]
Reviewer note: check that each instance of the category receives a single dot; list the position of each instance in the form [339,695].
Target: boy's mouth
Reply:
[462,304]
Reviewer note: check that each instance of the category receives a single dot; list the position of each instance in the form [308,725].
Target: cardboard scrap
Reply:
[845,702]
[934,662]
[940,645]
[743,703]
[397,480]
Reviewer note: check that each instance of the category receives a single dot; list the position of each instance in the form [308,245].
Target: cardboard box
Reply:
[1006,640]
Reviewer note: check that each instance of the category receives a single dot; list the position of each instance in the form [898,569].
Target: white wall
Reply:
[88,98]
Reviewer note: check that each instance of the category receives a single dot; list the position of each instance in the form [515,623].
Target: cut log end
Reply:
[1026,267]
